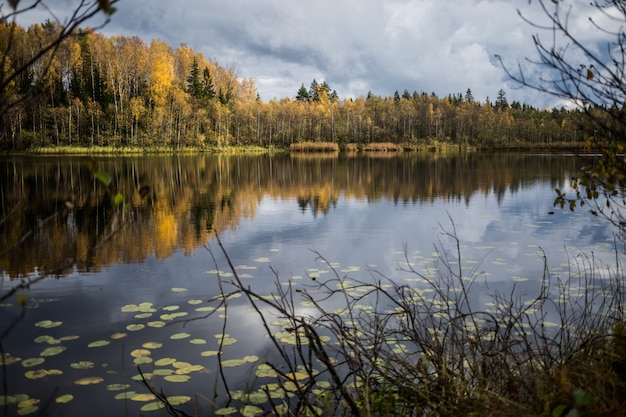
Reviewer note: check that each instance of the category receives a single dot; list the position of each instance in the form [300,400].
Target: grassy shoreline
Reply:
[309,147]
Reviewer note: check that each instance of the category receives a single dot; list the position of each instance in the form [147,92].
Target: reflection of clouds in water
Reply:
[503,231]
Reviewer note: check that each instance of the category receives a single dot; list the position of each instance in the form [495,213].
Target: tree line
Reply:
[122,91]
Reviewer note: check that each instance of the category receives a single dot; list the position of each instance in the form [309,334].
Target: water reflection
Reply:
[194,196]
[360,213]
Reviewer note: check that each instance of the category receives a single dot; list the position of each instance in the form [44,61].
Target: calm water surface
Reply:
[274,215]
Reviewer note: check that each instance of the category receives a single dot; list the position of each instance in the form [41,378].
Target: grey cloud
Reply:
[354,45]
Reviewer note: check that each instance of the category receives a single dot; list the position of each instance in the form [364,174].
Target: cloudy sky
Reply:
[441,46]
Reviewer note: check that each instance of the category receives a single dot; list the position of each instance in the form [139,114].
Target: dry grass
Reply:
[314,147]
[382,147]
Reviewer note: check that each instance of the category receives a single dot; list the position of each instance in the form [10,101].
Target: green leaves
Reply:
[103,177]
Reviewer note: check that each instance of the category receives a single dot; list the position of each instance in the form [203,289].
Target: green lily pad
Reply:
[209,353]
[230,363]
[152,406]
[265,371]
[135,327]
[156,324]
[177,289]
[30,362]
[52,351]
[152,345]
[251,411]
[197,341]
[178,336]
[99,343]
[48,324]
[63,399]
[177,378]
[117,387]
[82,365]
[178,399]
[165,361]
[189,369]
[127,395]
[226,411]
[143,360]
[116,336]
[37,374]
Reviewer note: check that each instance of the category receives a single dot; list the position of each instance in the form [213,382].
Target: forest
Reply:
[120,91]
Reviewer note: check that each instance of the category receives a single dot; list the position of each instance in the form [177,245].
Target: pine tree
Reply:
[194,86]
[303,94]
[501,102]
[207,81]
[469,97]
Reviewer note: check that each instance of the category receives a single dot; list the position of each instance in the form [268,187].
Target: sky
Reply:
[356,46]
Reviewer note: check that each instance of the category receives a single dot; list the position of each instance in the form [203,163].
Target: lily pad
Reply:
[251,411]
[165,361]
[178,336]
[140,352]
[125,395]
[30,362]
[116,336]
[52,351]
[177,378]
[152,406]
[178,289]
[117,387]
[135,327]
[152,345]
[89,380]
[226,411]
[48,324]
[82,365]
[143,397]
[178,399]
[63,399]
[98,343]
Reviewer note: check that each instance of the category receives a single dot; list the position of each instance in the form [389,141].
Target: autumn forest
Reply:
[120,91]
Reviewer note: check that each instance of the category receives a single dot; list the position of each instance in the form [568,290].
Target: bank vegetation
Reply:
[122,92]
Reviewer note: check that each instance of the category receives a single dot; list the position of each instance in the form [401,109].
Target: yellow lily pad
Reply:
[143,397]
[89,380]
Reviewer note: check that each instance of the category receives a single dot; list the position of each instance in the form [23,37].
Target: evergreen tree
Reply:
[501,102]
[406,95]
[194,85]
[303,94]
[469,97]
[396,96]
[314,91]
[207,81]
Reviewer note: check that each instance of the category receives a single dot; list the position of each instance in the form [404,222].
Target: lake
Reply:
[129,263]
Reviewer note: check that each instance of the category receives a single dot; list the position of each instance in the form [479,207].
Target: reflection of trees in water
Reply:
[193,196]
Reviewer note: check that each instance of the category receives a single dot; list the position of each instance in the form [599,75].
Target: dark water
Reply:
[273,215]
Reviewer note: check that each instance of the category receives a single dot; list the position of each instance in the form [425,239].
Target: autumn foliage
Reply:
[121,91]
